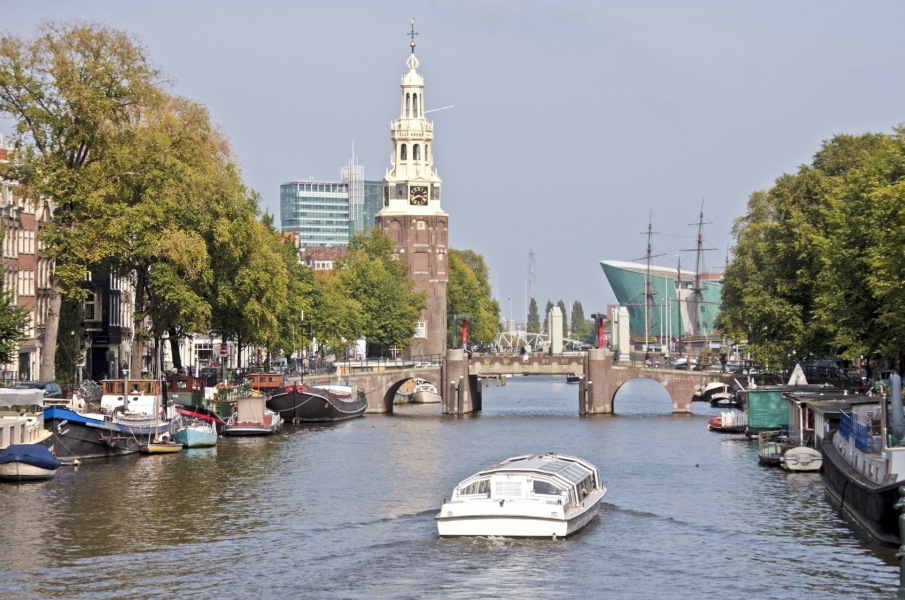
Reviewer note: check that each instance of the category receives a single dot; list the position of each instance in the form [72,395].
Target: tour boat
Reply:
[323,403]
[724,400]
[197,434]
[27,462]
[801,458]
[704,393]
[425,393]
[549,495]
[252,418]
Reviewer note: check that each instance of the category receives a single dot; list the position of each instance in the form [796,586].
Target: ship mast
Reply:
[648,290]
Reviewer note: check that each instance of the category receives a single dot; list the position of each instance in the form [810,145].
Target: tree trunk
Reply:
[47,371]
[174,349]
[238,351]
[137,322]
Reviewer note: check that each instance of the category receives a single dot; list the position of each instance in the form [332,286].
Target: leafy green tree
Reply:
[370,275]
[336,319]
[533,324]
[468,295]
[68,348]
[69,92]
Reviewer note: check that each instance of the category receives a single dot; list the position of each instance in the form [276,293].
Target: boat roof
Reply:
[810,387]
[30,397]
[567,468]
[831,403]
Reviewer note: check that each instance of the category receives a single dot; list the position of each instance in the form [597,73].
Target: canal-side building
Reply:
[26,272]
[411,215]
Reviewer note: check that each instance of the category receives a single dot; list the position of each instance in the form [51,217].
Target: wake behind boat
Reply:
[550,495]
[324,403]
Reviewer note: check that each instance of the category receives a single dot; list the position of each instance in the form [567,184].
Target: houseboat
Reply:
[80,434]
[266,383]
[135,396]
[729,421]
[252,418]
[861,474]
[549,495]
[767,409]
[322,403]
[188,390]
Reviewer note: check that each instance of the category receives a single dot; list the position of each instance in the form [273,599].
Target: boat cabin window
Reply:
[113,388]
[479,487]
[182,384]
[543,487]
[508,488]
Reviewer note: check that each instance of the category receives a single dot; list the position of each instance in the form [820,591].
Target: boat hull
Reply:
[194,438]
[315,405]
[76,436]
[426,397]
[20,471]
[516,525]
[801,459]
[160,448]
[870,505]
[248,430]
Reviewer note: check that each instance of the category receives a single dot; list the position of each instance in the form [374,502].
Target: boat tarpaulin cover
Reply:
[10,397]
[35,455]
[199,412]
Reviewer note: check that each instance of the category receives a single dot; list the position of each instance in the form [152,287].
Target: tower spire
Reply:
[412,34]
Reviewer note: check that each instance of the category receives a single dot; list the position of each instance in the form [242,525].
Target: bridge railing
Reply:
[383,364]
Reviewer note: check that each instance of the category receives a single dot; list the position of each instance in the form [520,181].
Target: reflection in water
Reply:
[346,511]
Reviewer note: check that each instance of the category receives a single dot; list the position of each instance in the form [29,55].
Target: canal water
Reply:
[347,511]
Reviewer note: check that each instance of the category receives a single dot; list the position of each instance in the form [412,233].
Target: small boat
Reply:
[197,434]
[27,462]
[771,446]
[252,418]
[704,393]
[160,446]
[549,495]
[573,378]
[801,458]
[425,393]
[724,400]
[199,413]
[732,421]
[323,403]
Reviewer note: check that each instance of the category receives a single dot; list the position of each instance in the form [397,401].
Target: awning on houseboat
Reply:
[10,397]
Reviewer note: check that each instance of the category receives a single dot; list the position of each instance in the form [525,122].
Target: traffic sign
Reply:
[224,350]
[216,363]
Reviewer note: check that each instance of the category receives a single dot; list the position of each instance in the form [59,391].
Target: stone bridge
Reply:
[380,387]
[458,379]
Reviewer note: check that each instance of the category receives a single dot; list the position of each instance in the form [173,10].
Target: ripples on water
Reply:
[347,511]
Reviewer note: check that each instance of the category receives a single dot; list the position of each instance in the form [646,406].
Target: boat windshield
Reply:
[476,488]
[547,488]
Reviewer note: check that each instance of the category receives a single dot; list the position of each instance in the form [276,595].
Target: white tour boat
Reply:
[425,393]
[549,495]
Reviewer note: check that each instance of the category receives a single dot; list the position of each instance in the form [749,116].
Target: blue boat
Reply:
[197,435]
[27,462]
[93,435]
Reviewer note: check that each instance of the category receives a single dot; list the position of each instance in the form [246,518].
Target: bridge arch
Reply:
[657,400]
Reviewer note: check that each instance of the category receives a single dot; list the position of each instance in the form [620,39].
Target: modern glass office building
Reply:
[372,202]
[674,308]
[316,211]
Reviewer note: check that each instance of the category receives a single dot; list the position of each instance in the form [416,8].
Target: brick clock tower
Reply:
[411,216]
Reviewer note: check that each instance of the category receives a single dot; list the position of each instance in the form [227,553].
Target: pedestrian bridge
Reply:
[457,378]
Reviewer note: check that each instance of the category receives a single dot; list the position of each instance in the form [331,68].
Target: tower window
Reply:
[402,153]
[408,105]
[415,108]
[416,152]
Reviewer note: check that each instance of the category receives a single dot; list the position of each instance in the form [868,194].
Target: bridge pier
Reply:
[460,390]
[595,393]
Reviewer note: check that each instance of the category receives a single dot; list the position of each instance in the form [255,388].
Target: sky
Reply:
[575,122]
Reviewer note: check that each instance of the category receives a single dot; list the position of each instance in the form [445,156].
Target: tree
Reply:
[565,318]
[533,325]
[818,257]
[468,295]
[577,319]
[371,276]
[547,310]
[69,92]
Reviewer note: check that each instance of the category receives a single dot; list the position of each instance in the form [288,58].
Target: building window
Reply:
[402,153]
[416,152]
[414,105]
[93,307]
[421,330]
[408,105]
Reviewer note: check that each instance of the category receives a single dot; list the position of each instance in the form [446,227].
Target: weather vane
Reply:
[412,34]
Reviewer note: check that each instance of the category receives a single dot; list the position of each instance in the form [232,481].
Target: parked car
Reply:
[51,388]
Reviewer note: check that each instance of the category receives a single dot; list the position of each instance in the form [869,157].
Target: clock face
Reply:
[418,195]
